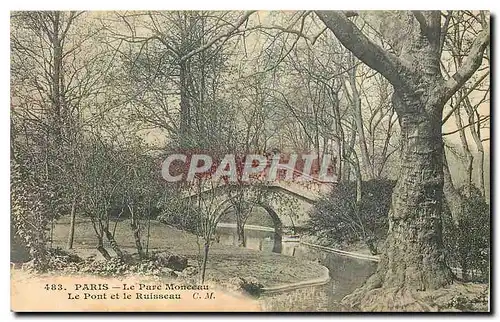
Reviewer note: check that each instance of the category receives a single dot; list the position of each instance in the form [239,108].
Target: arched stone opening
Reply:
[276,222]
[278,228]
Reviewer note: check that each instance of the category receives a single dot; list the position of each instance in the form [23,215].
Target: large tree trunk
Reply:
[415,257]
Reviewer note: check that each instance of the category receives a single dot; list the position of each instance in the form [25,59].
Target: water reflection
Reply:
[346,273]
[255,239]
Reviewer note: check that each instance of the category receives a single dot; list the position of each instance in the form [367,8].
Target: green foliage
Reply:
[252,286]
[465,304]
[32,207]
[283,204]
[468,244]
[120,267]
[338,219]
[60,260]
[179,214]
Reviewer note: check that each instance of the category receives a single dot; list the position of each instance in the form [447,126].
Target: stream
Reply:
[346,273]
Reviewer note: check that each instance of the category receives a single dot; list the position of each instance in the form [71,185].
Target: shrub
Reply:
[61,260]
[338,219]
[468,244]
[30,214]
[178,214]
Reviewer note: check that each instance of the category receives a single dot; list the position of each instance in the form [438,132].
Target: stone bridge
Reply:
[303,193]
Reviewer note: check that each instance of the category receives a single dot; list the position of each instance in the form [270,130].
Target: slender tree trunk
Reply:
[366,237]
[340,136]
[359,181]
[476,135]
[116,222]
[452,195]
[101,249]
[339,169]
[149,231]
[480,169]
[469,160]
[358,119]
[184,129]
[206,248]
[112,242]
[52,225]
[56,78]
[347,154]
[134,224]
[71,235]
[240,230]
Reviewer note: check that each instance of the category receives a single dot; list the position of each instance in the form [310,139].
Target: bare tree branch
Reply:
[481,120]
[227,34]
[363,48]
[470,90]
[470,65]
[421,21]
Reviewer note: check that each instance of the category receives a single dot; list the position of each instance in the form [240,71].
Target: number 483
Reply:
[53,287]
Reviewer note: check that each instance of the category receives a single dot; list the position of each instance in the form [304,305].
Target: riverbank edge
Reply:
[325,278]
[314,271]
[249,227]
[373,258]
[343,252]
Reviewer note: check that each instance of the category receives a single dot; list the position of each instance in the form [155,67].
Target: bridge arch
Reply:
[278,228]
[277,223]
[305,195]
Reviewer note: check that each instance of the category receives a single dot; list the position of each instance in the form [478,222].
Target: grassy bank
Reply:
[224,261]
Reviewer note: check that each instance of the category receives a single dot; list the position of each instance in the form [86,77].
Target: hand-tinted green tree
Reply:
[468,243]
[414,259]
[339,219]
[33,203]
[175,212]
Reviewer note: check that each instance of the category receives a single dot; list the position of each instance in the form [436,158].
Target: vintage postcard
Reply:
[250,161]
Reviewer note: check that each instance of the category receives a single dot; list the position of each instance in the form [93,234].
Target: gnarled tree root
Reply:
[455,297]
